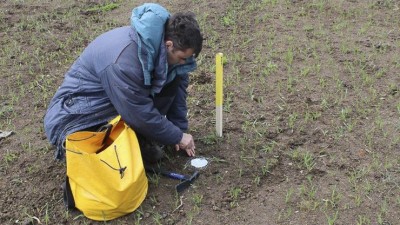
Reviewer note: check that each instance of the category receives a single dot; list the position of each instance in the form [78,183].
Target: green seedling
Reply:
[257,180]
[197,199]
[363,220]
[332,219]
[103,8]
[154,179]
[9,157]
[234,195]
[288,195]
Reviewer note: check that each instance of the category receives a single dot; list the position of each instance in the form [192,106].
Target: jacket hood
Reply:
[149,22]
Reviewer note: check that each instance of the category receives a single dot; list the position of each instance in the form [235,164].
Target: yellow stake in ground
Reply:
[218,93]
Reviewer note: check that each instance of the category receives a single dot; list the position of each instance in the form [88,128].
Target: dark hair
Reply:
[183,30]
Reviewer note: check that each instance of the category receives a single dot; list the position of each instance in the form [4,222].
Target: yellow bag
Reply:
[105,171]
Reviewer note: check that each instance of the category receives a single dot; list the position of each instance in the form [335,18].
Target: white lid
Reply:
[199,162]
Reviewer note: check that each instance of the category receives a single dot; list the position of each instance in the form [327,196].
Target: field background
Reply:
[311,111]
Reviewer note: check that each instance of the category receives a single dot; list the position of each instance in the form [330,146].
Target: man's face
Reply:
[177,56]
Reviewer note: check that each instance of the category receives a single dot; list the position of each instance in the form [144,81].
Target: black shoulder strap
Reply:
[68,197]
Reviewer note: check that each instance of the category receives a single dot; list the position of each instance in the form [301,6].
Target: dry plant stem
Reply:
[180,205]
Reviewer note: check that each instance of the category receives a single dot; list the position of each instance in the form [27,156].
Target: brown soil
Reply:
[258,173]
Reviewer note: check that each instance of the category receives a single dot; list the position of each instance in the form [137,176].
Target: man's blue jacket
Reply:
[121,72]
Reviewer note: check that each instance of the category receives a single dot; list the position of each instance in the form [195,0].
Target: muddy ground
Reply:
[311,112]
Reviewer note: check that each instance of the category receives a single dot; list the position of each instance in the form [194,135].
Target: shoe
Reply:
[151,152]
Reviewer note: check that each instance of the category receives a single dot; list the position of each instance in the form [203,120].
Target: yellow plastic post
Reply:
[218,93]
